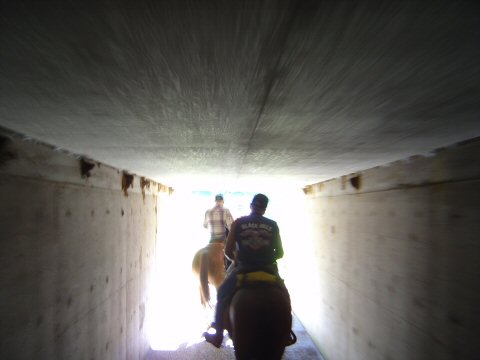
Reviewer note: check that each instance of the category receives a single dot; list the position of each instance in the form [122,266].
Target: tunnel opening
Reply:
[175,317]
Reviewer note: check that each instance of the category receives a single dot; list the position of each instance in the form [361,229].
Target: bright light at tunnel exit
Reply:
[175,317]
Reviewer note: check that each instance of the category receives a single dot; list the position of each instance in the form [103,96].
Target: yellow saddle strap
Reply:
[256,276]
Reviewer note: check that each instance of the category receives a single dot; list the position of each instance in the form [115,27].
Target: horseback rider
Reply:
[255,242]
[218,220]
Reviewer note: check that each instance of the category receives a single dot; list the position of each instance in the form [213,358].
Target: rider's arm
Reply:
[278,245]
[230,244]
[228,219]
[205,220]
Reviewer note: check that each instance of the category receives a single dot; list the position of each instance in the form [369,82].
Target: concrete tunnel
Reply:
[359,119]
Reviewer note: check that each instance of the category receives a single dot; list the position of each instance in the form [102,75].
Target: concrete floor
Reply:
[304,349]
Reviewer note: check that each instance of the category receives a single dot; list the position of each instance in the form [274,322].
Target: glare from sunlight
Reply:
[175,316]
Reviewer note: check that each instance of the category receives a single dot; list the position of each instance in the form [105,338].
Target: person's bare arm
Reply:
[279,246]
[230,244]
[205,220]
[228,219]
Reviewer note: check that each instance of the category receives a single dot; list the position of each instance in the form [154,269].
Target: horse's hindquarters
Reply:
[261,320]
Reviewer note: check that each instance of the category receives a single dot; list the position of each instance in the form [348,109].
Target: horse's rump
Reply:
[260,320]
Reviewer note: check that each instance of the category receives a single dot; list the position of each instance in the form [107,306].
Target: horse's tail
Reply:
[203,273]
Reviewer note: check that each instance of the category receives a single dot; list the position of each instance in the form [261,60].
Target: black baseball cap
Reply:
[260,201]
[219,197]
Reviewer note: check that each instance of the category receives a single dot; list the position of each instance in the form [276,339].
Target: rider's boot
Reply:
[217,338]
[214,339]
[292,338]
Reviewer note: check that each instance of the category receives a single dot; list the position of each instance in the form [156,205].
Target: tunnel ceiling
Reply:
[279,90]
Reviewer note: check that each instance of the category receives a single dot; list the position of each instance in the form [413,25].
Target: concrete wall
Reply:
[76,256]
[393,267]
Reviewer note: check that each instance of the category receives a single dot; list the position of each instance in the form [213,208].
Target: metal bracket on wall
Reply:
[85,168]
[144,183]
[127,181]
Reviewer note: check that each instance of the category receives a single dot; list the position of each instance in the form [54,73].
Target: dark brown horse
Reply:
[259,320]
[208,265]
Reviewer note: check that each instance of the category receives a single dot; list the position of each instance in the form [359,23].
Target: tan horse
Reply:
[208,265]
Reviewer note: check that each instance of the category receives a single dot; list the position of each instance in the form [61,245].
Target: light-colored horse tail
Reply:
[203,274]
[208,267]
